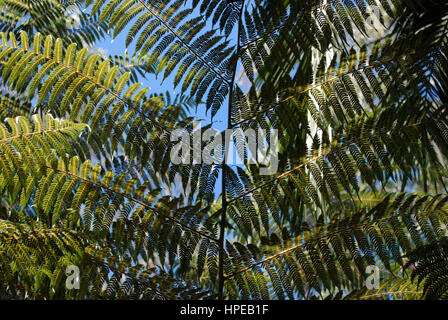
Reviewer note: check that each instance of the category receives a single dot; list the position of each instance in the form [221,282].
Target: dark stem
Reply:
[221,277]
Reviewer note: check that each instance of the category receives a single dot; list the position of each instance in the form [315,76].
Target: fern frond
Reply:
[351,238]
[175,41]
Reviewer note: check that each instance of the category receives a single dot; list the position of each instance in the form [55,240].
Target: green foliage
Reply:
[86,177]
[429,263]
[63,19]
[163,32]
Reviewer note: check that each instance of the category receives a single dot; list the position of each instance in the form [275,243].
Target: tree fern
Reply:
[358,99]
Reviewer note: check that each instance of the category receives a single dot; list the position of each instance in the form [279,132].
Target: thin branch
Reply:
[392,293]
[31,134]
[221,277]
